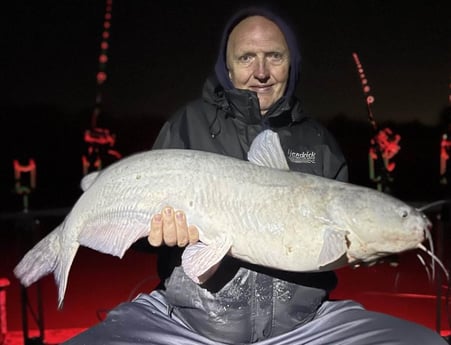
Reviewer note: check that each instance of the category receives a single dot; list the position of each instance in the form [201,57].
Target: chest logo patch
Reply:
[308,157]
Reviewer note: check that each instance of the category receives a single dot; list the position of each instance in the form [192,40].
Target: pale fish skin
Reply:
[256,210]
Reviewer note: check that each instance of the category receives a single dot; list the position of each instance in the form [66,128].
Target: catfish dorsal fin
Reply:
[266,151]
[88,180]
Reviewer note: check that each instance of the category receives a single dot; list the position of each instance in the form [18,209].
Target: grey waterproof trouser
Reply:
[147,320]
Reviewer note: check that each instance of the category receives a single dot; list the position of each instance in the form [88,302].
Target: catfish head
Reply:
[378,224]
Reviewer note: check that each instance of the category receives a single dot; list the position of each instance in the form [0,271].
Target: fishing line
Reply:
[133,293]
[101,313]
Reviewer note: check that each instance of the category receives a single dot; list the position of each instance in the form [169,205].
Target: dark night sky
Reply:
[161,51]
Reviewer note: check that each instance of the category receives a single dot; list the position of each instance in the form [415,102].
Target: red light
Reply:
[101,77]
[370,99]
[18,170]
[103,58]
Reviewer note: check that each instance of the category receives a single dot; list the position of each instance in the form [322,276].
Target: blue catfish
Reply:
[257,211]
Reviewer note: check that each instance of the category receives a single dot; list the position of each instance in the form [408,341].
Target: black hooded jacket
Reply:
[243,303]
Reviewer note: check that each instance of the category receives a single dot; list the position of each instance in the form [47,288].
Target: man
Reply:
[252,89]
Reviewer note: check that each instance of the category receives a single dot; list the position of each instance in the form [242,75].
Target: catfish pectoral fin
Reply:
[198,259]
[334,246]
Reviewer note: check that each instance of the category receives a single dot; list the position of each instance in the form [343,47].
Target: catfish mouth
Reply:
[402,244]
[368,253]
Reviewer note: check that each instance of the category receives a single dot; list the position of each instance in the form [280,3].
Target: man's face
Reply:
[258,59]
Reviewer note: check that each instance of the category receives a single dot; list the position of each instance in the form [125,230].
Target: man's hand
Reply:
[170,227]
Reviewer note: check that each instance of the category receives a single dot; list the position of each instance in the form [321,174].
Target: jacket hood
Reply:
[221,70]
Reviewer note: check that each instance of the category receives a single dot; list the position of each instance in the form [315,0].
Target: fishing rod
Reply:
[369,98]
[100,141]
[384,142]
[445,143]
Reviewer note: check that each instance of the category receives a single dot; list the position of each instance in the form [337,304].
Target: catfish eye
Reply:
[404,213]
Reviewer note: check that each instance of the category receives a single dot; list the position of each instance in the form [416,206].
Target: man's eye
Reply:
[276,56]
[245,59]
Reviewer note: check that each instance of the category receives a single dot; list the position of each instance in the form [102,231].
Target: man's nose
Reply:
[261,72]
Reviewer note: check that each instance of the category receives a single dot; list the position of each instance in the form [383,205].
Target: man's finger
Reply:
[182,229]
[169,227]
[193,234]
[155,237]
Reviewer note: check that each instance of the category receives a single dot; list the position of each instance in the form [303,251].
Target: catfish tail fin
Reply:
[47,257]
[39,260]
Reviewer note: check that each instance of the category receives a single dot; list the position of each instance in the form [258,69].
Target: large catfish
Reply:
[256,210]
